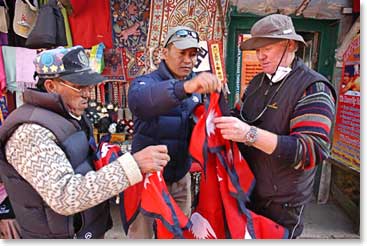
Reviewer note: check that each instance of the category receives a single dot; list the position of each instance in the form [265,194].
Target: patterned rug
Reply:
[130,20]
[133,63]
[114,67]
[202,15]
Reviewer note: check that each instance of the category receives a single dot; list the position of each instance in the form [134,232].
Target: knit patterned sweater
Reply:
[33,151]
[309,142]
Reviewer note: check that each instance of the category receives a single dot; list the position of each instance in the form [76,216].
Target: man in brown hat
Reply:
[283,125]
[162,103]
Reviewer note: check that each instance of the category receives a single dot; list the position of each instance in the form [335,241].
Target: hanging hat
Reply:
[70,64]
[271,29]
[25,16]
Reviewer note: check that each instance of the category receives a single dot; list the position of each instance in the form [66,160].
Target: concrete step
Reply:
[327,221]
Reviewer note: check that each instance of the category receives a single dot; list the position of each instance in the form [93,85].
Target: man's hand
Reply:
[203,83]
[152,158]
[232,128]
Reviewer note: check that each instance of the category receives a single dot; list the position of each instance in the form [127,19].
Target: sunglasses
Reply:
[83,91]
[183,34]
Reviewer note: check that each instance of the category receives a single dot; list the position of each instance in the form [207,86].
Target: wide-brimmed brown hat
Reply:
[271,29]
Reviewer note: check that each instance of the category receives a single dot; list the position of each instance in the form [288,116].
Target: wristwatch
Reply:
[251,136]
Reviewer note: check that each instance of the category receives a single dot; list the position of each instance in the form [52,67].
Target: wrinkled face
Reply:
[75,97]
[270,55]
[180,62]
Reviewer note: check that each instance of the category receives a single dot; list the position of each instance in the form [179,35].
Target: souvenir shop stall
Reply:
[122,38]
[30,26]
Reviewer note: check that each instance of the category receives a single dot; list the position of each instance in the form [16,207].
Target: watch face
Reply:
[251,136]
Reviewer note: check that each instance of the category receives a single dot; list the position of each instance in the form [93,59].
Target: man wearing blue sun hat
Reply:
[46,158]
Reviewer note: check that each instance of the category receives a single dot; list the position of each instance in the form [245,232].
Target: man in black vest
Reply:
[283,125]
[46,159]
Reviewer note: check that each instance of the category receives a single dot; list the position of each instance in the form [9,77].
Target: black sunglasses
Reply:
[183,34]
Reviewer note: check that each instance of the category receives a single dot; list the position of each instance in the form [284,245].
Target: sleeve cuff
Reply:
[286,149]
[179,90]
[131,168]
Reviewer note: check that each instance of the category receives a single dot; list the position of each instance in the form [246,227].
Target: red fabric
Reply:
[265,228]
[152,198]
[158,203]
[356,6]
[226,183]
[106,153]
[91,23]
[130,200]
[195,167]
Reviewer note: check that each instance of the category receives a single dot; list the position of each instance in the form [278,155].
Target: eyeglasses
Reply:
[183,33]
[83,91]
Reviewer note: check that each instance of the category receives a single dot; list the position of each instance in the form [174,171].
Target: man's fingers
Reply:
[161,156]
[160,148]
[209,82]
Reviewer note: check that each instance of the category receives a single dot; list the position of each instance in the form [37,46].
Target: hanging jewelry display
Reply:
[115,86]
[111,100]
[119,101]
[99,106]
[120,128]
[91,111]
[103,98]
[110,97]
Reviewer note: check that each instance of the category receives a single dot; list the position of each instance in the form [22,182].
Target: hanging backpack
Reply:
[49,30]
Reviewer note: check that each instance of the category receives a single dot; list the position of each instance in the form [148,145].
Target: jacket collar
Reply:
[49,101]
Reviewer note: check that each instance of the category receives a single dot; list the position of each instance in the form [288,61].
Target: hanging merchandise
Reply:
[3,38]
[25,16]
[9,66]
[4,18]
[49,30]
[96,60]
[90,22]
[127,119]
[3,109]
[2,73]
[114,67]
[205,16]
[18,73]
[66,9]
[110,105]
[24,72]
[108,112]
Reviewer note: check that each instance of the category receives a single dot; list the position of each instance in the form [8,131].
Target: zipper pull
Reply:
[117,199]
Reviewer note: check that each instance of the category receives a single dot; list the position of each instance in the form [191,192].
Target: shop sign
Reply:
[346,141]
